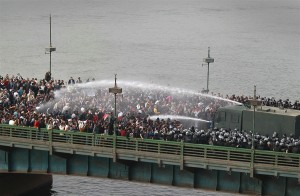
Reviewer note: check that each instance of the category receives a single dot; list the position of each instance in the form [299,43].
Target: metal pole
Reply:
[115,115]
[50,45]
[50,64]
[115,122]
[208,60]
[115,90]
[207,77]
[50,32]
[254,106]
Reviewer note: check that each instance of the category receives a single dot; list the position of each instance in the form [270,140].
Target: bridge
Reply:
[28,150]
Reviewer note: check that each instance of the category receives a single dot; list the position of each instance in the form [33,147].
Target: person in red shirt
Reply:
[123,132]
[95,118]
[36,123]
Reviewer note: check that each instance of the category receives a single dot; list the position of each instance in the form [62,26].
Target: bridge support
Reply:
[162,175]
[29,161]
[140,171]
[98,167]
[227,181]
[4,160]
[206,179]
[58,163]
[279,186]
[183,177]
[118,170]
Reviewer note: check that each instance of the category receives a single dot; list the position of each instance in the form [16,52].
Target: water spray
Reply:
[175,117]
[85,91]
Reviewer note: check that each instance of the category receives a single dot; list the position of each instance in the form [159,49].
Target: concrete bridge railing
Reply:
[154,151]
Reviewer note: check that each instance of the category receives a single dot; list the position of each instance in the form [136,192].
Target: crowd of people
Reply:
[267,101]
[89,107]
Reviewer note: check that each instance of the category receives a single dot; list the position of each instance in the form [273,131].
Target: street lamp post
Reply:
[50,49]
[208,60]
[115,90]
[254,102]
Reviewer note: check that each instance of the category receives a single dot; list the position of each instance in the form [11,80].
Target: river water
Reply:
[254,42]
[71,185]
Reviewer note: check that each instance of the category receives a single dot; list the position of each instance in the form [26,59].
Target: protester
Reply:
[71,81]
[50,104]
[79,80]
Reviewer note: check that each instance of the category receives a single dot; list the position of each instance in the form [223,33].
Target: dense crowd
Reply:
[89,107]
[267,101]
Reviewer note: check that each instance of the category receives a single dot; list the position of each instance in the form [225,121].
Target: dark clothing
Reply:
[71,81]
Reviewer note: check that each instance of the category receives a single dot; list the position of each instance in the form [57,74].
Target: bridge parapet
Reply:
[153,151]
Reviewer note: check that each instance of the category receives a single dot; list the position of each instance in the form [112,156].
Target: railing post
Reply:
[158,151]
[181,155]
[50,132]
[114,148]
[228,155]
[158,148]
[93,140]
[252,163]
[299,173]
